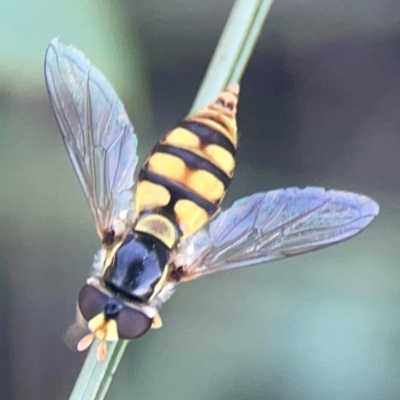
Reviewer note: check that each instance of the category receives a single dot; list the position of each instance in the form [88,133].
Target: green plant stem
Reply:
[234,49]
[227,66]
[95,377]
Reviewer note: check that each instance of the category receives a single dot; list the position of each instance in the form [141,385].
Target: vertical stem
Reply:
[95,377]
[227,66]
[234,49]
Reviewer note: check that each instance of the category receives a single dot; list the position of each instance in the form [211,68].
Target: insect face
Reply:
[109,318]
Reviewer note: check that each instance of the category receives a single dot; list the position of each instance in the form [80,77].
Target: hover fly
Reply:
[173,231]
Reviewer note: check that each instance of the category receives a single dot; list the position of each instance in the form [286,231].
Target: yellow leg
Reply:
[157,322]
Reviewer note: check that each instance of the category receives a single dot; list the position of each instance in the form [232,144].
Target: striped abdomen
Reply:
[188,172]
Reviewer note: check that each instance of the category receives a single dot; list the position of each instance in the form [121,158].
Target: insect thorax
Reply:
[138,268]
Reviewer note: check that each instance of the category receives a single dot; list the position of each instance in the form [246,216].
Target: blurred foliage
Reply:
[27,27]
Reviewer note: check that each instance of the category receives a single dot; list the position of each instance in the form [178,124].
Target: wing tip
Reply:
[369,205]
[53,52]
[54,45]
[59,50]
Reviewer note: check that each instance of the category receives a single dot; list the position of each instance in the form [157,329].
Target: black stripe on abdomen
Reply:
[208,135]
[193,161]
[177,191]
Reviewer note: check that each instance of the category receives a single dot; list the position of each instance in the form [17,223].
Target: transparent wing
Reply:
[96,130]
[76,331]
[268,226]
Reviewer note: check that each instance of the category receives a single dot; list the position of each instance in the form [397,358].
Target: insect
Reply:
[173,230]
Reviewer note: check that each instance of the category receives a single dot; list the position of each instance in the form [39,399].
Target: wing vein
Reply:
[96,131]
[268,226]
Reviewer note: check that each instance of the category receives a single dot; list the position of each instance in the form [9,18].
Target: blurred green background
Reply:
[319,105]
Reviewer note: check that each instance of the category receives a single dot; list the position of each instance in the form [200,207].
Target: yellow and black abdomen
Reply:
[188,172]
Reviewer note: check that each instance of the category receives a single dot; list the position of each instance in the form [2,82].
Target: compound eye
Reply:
[91,301]
[132,323]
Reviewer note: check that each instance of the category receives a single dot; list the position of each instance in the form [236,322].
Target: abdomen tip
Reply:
[233,88]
